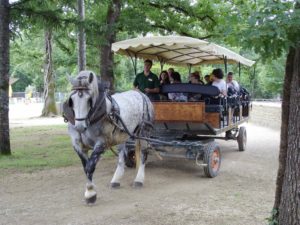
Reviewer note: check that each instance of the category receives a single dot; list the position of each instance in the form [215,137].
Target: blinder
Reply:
[70,102]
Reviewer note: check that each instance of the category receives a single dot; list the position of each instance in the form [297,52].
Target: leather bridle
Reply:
[80,90]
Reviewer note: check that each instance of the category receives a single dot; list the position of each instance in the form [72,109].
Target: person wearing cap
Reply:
[147,82]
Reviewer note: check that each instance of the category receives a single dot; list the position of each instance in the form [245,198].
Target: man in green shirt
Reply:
[147,82]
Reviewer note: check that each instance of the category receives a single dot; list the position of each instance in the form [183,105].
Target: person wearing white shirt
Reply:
[219,82]
[231,83]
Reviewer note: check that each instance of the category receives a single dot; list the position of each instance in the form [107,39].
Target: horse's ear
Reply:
[91,77]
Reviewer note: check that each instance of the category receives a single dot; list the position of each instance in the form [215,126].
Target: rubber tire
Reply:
[242,139]
[208,157]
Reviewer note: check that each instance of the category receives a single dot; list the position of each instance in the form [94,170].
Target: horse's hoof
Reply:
[91,200]
[115,185]
[137,184]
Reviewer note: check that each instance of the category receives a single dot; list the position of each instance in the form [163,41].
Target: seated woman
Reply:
[175,78]
[197,75]
[219,82]
[163,79]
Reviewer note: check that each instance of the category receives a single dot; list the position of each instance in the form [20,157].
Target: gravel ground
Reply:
[175,192]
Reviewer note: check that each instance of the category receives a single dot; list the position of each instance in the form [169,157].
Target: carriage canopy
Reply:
[178,50]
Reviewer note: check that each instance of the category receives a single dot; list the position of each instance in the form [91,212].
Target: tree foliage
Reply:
[230,23]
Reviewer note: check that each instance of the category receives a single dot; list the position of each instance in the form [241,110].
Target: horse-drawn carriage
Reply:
[99,121]
[189,129]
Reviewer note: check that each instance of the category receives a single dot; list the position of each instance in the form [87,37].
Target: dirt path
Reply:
[175,192]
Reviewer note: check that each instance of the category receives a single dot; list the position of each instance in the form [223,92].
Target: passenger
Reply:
[174,79]
[164,78]
[170,71]
[198,75]
[232,86]
[219,82]
[207,80]
[194,79]
[147,82]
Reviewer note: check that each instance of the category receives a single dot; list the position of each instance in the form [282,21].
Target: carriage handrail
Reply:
[190,88]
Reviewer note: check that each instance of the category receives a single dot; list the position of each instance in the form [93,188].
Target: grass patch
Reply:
[35,148]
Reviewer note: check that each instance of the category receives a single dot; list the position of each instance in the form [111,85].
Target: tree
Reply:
[49,15]
[106,55]
[4,77]
[49,108]
[81,37]
[272,29]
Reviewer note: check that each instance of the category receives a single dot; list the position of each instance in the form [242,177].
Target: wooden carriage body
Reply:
[210,116]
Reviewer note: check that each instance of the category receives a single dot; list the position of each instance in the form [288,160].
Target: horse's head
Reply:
[83,98]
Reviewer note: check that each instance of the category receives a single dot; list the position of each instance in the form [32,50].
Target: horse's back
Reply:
[134,107]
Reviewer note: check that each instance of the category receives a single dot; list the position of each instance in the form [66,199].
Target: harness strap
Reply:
[115,117]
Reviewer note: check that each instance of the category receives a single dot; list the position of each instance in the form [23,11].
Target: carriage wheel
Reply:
[212,157]
[242,139]
[130,158]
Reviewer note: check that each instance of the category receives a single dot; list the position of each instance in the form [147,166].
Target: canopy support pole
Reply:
[134,62]
[225,64]
[239,72]
[190,68]
[135,65]
[162,63]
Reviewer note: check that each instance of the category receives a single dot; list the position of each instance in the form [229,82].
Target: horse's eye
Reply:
[70,102]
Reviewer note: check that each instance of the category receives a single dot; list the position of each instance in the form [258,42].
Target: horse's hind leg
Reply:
[140,177]
[115,182]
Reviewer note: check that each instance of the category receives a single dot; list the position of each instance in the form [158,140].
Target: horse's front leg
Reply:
[90,192]
[76,142]
[115,182]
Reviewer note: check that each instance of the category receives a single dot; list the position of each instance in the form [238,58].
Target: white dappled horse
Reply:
[95,122]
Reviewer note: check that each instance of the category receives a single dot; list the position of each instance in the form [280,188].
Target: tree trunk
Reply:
[289,206]
[81,37]
[285,111]
[4,78]
[49,81]
[106,55]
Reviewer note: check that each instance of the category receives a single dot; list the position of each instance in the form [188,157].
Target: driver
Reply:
[147,82]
